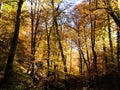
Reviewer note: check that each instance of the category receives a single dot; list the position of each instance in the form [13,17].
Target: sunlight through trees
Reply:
[60,44]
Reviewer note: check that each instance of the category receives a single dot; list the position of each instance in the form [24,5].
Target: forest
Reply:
[59,44]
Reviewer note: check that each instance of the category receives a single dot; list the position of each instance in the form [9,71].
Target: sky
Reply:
[75,1]
[67,2]
[71,2]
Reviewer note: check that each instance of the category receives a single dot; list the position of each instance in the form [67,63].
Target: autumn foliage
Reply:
[59,45]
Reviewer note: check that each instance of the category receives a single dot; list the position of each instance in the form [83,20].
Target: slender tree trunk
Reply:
[9,65]
[83,58]
[80,55]
[55,24]
[48,57]
[87,52]
[93,29]
[93,45]
[110,40]
[71,57]
[118,48]
[48,47]
[32,40]
[55,67]
[35,13]
[105,56]
[60,45]
[80,64]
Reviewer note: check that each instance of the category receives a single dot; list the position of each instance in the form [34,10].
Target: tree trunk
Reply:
[87,52]
[34,29]
[105,56]
[110,40]
[70,57]
[9,66]
[80,54]
[118,48]
[93,29]
[48,56]
[93,45]
[58,36]
[60,45]
[115,18]
[117,21]
[1,8]
[32,40]
[48,47]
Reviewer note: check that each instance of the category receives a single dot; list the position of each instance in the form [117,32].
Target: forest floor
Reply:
[109,81]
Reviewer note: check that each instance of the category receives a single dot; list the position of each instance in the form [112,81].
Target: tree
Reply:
[48,46]
[110,39]
[35,19]
[55,24]
[9,66]
[112,8]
